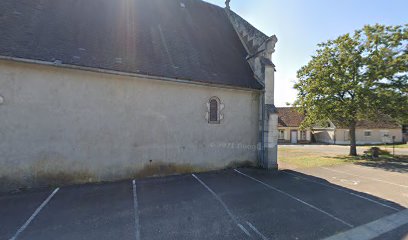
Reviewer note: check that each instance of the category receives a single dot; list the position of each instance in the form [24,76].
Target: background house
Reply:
[289,121]
[367,132]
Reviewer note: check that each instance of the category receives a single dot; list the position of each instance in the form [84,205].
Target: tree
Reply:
[356,76]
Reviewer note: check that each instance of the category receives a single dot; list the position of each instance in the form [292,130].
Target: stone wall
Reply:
[63,126]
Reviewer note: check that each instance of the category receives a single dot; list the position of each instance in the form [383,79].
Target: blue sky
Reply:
[301,24]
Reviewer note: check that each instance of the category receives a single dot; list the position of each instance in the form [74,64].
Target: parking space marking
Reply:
[373,179]
[374,229]
[36,212]
[295,198]
[136,211]
[256,231]
[244,229]
[347,181]
[343,190]
[224,205]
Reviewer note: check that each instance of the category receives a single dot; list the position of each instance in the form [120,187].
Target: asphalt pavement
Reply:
[229,204]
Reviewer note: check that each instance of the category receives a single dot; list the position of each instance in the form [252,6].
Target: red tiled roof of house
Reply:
[289,117]
[382,122]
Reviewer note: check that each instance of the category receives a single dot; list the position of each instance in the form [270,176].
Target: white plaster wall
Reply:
[288,130]
[85,126]
[308,135]
[339,135]
[375,138]
[271,141]
[269,85]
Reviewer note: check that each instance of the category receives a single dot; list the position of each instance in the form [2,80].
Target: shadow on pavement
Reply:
[345,190]
[397,164]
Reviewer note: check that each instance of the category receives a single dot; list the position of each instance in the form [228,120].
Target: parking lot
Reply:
[230,204]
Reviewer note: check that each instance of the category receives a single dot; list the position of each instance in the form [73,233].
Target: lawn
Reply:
[304,157]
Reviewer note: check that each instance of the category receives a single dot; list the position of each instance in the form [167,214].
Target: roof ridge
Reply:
[250,24]
[287,107]
[213,4]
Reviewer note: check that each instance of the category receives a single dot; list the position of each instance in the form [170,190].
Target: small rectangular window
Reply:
[281,134]
[303,135]
[385,134]
[214,110]
[367,133]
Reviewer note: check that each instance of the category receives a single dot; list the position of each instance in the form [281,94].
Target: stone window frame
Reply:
[218,106]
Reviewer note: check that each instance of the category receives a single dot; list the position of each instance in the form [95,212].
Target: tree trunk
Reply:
[353,145]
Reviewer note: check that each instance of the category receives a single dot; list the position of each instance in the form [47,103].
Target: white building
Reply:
[382,131]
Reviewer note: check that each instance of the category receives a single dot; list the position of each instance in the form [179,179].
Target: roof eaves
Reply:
[126,74]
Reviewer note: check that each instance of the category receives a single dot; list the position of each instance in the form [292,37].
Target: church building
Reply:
[102,90]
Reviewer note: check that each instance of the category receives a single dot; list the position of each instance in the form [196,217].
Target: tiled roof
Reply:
[183,39]
[289,117]
[382,122]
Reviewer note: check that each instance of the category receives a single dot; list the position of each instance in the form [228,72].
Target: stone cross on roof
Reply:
[227,4]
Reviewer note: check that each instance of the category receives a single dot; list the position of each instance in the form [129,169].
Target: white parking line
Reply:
[343,190]
[136,211]
[224,205]
[244,229]
[373,179]
[295,198]
[37,211]
[256,231]
[374,229]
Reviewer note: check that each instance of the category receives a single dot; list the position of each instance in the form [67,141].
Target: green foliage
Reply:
[356,76]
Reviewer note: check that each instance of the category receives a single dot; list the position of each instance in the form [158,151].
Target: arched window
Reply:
[214,110]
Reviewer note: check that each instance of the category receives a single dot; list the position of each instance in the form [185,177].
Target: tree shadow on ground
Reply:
[349,204]
[388,163]
[320,180]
